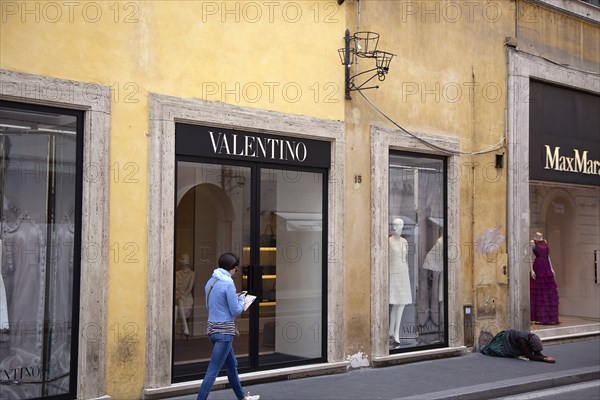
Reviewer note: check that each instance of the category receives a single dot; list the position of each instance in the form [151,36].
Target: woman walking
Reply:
[223,306]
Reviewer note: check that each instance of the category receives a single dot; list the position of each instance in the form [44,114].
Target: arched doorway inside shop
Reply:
[207,206]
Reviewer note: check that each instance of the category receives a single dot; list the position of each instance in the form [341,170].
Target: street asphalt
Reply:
[470,376]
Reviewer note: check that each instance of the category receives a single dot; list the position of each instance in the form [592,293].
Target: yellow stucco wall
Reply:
[448,78]
[557,37]
[278,56]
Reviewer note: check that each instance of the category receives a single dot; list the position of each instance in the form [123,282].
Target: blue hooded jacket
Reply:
[223,304]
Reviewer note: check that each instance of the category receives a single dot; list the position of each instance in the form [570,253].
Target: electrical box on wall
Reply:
[469,325]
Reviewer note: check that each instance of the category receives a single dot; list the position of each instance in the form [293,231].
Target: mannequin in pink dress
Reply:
[542,285]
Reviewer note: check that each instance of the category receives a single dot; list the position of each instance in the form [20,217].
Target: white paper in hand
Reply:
[248,300]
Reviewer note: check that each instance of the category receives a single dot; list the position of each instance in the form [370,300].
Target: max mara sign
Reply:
[576,162]
[229,144]
[564,141]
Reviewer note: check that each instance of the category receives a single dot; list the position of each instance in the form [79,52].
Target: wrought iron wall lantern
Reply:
[363,45]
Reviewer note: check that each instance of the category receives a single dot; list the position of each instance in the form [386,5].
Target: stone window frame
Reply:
[382,142]
[577,9]
[165,112]
[95,101]
[523,67]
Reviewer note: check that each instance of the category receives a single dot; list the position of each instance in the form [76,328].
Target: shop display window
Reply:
[40,176]
[272,217]
[567,219]
[417,261]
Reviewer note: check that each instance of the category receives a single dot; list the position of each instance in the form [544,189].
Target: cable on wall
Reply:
[491,149]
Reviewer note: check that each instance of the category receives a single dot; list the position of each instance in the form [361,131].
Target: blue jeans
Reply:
[222,354]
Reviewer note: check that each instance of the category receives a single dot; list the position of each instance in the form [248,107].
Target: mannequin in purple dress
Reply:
[542,286]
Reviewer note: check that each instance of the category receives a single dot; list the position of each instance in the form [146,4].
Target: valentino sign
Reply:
[222,143]
[234,144]
[576,162]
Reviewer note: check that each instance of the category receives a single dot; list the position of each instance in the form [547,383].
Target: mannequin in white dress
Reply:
[400,293]
[431,297]
[184,282]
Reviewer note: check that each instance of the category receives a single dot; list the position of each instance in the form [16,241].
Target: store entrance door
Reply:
[273,218]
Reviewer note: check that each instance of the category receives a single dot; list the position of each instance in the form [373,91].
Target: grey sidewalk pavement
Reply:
[471,376]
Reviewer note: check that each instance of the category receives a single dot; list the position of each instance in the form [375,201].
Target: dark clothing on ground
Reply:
[512,343]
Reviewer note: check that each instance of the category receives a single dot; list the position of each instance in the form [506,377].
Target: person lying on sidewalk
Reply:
[517,344]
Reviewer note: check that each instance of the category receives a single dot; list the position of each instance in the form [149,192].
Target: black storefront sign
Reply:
[230,144]
[564,135]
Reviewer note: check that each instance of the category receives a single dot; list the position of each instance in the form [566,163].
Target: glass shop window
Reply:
[416,252]
[40,176]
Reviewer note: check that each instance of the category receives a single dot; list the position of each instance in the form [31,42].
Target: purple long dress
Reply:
[543,291]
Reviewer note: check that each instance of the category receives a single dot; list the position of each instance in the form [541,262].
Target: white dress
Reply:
[184,282]
[399,281]
[434,261]
[3,305]
[24,274]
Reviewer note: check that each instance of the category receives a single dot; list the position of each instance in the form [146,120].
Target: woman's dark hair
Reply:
[228,261]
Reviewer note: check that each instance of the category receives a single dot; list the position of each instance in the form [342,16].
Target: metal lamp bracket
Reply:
[363,45]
